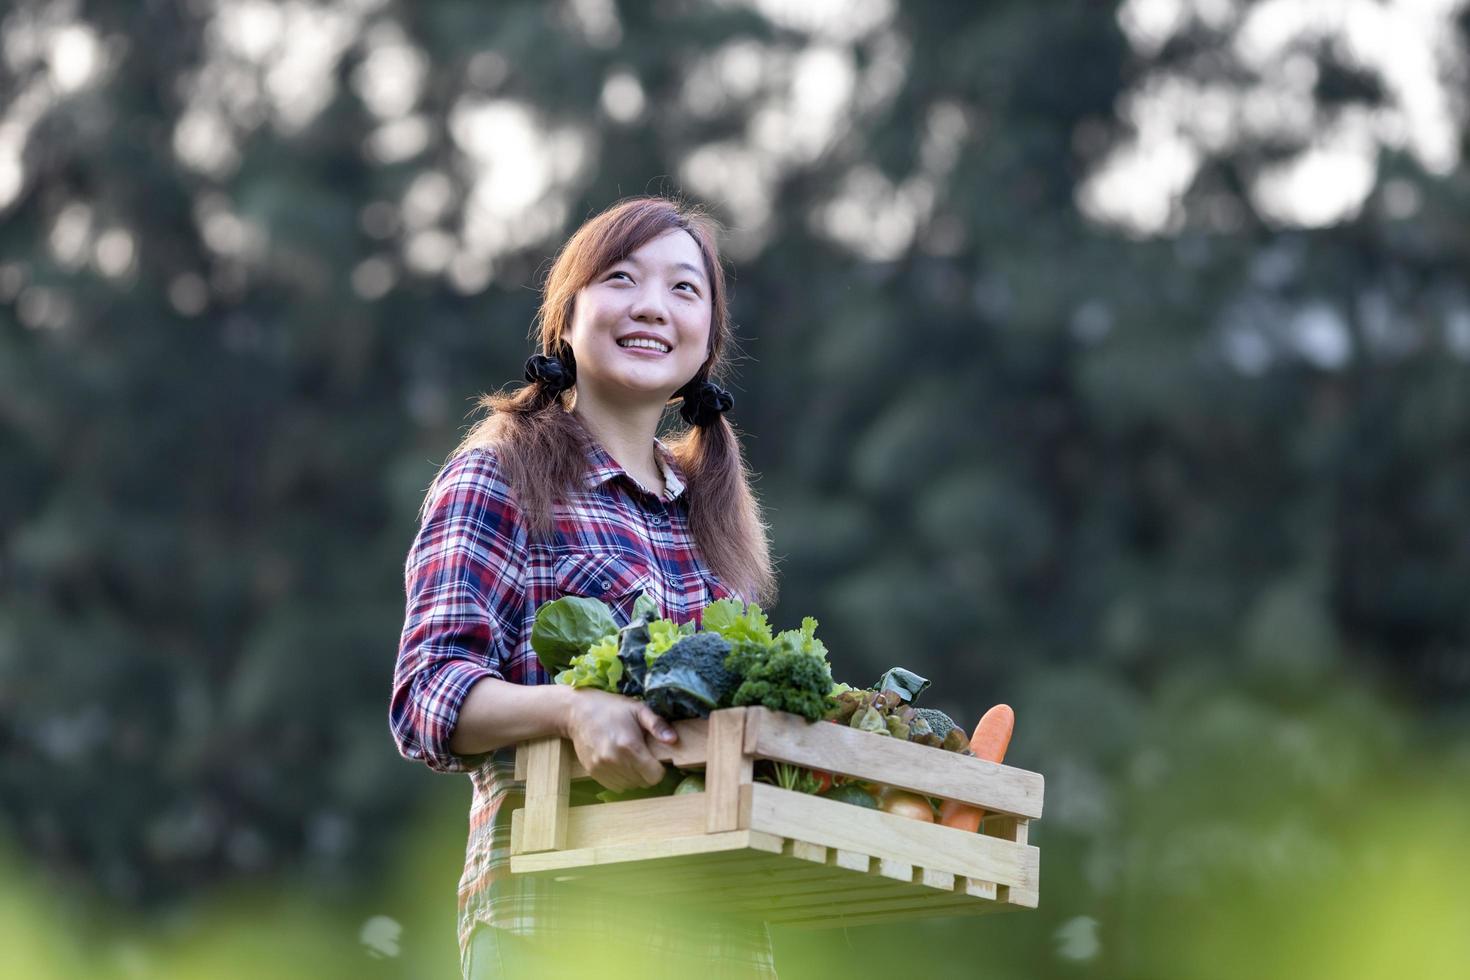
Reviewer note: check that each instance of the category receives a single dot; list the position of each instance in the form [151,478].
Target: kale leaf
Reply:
[690,679]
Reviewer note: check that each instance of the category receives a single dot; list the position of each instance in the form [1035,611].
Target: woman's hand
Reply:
[607,732]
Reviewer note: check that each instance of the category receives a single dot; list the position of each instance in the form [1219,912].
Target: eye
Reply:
[692,288]
[619,272]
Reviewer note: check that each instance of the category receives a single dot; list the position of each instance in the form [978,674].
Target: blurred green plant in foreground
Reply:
[1315,834]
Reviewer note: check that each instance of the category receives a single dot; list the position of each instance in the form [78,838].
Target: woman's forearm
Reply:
[497,713]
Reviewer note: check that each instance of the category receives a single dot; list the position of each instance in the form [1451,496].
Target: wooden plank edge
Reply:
[834,824]
[733,840]
[919,768]
[840,920]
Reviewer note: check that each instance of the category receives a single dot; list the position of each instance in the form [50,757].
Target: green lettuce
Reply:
[599,667]
[663,634]
[568,627]
[737,622]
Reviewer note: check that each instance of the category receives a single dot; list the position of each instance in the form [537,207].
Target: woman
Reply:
[565,489]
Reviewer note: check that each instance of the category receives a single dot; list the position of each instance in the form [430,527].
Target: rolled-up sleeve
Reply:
[465,584]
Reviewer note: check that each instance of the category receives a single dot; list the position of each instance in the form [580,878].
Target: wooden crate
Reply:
[754,850]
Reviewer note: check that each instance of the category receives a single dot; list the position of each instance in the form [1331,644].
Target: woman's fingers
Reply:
[656,726]
[607,731]
[649,769]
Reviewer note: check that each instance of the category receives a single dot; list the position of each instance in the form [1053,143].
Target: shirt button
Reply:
[604,585]
[656,521]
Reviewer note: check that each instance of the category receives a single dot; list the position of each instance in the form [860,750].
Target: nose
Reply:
[648,306]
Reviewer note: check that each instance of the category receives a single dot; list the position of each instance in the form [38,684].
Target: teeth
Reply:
[641,342]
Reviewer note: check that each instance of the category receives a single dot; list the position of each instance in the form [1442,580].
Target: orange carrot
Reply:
[991,738]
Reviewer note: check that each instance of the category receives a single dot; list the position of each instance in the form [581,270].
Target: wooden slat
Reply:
[548,792]
[1026,898]
[1015,829]
[858,902]
[652,850]
[895,898]
[849,889]
[934,894]
[942,880]
[978,888]
[811,853]
[836,886]
[727,769]
[763,853]
[691,883]
[906,765]
[797,877]
[843,918]
[833,824]
[835,883]
[623,823]
[897,870]
[1005,827]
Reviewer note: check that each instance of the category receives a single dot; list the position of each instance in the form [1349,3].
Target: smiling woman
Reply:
[566,489]
[640,331]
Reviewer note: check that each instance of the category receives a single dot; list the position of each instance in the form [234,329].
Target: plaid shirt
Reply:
[474,580]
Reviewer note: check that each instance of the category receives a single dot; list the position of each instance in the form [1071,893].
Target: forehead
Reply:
[675,248]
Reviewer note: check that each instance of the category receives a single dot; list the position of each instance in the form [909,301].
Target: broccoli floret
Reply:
[690,679]
[792,675]
[939,722]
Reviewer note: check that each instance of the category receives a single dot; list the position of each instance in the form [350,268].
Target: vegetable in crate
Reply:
[933,727]
[633,652]
[613,661]
[908,684]
[889,710]
[599,667]
[666,786]
[791,674]
[691,679]
[663,634]
[788,776]
[852,793]
[992,737]
[737,622]
[568,627]
[905,804]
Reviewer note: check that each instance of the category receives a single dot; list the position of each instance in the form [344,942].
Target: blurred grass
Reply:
[1302,834]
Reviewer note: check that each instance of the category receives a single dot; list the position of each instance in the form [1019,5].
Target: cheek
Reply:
[699,336]
[582,326]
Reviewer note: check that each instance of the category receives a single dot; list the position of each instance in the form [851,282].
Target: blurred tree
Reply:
[1120,349]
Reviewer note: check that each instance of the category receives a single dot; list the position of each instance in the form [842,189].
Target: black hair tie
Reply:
[550,373]
[705,406]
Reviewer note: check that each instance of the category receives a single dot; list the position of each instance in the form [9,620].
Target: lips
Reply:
[645,342]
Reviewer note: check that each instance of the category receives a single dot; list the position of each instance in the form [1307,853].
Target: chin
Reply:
[642,389]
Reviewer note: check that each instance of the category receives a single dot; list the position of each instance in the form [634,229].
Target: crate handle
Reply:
[548,795]
[728,769]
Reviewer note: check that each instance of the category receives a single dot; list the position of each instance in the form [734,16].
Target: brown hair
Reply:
[542,445]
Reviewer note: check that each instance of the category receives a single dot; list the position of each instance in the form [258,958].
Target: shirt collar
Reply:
[602,468]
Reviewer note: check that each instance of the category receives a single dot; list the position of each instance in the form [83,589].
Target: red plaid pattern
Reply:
[474,580]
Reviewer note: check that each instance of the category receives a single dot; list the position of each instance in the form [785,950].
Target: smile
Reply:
[645,344]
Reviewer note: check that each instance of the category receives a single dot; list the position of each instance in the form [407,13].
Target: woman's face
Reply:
[640,330]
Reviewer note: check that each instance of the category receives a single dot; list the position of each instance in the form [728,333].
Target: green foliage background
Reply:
[1100,476]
